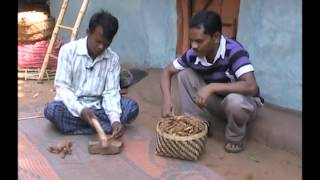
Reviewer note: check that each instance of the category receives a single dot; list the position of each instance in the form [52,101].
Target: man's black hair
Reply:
[107,21]
[210,20]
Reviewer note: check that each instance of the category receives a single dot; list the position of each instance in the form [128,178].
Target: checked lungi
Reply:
[66,123]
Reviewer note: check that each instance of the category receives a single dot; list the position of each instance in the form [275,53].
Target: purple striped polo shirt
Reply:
[229,66]
[231,61]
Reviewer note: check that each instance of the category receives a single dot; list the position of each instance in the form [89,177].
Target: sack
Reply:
[32,55]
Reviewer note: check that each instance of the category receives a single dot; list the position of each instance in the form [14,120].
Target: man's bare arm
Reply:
[165,85]
[246,85]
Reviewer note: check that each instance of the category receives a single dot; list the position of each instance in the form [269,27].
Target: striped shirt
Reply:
[81,82]
[230,62]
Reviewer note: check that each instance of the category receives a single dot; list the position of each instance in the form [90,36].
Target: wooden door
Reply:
[228,10]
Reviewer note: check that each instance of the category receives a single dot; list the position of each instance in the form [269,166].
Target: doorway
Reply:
[228,10]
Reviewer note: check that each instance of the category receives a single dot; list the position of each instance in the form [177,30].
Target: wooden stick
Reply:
[100,131]
[79,19]
[31,117]
[33,113]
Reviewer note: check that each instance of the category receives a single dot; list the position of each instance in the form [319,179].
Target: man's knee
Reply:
[184,75]
[51,108]
[130,109]
[134,109]
[58,114]
[232,102]
[235,104]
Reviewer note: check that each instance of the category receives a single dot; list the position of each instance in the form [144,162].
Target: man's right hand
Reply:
[167,109]
[87,114]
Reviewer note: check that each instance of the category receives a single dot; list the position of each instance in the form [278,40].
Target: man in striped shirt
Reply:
[87,83]
[215,79]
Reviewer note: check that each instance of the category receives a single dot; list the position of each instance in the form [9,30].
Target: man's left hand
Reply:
[118,129]
[202,96]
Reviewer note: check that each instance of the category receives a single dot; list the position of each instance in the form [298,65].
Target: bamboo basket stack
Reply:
[34,31]
[34,26]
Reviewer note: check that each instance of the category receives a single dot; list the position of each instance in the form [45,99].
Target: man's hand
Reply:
[118,129]
[87,114]
[167,109]
[202,96]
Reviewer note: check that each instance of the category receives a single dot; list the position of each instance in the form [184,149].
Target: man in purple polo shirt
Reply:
[215,79]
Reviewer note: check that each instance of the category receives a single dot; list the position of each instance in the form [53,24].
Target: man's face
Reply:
[96,42]
[203,44]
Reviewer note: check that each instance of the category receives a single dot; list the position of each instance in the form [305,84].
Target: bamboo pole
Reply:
[52,40]
[79,19]
[31,117]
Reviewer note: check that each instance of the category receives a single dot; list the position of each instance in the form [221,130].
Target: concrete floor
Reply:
[138,159]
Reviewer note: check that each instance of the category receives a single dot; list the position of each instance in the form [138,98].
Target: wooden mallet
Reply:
[106,145]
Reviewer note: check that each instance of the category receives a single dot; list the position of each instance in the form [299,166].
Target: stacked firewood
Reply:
[183,125]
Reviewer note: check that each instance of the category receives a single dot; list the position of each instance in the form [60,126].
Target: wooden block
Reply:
[114,147]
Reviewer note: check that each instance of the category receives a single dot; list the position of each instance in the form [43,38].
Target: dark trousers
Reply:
[66,123]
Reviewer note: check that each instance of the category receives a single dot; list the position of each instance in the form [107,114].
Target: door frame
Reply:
[185,9]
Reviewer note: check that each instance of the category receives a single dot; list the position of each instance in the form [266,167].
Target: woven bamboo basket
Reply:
[181,147]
